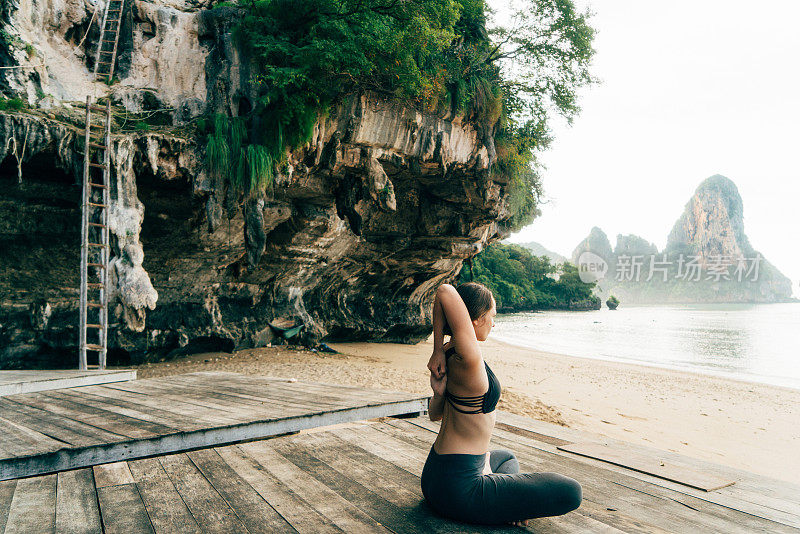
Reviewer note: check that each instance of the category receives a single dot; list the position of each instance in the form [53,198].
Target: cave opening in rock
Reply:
[40,221]
[169,228]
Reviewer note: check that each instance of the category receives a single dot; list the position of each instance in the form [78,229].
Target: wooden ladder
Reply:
[109,38]
[95,248]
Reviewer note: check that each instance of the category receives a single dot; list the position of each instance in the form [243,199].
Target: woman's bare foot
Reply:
[523,523]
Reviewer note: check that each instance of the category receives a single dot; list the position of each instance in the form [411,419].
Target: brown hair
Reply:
[478,299]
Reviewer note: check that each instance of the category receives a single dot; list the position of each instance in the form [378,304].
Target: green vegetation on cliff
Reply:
[521,281]
[435,55]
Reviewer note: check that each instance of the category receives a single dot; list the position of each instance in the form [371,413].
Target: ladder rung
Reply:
[97,245]
[97,224]
[82,133]
[93,107]
[96,265]
[90,325]
[98,185]
[104,63]
[97,205]
[91,346]
[109,40]
[95,145]
[94,305]
[98,165]
[92,125]
[96,285]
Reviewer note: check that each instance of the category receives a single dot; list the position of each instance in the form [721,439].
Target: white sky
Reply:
[689,89]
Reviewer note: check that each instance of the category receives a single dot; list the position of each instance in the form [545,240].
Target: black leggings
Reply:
[454,486]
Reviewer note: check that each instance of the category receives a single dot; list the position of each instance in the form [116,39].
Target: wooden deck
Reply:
[364,477]
[50,431]
[16,382]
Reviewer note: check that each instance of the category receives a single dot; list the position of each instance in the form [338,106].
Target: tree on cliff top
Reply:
[436,55]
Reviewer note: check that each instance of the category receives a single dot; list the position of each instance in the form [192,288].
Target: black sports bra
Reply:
[482,403]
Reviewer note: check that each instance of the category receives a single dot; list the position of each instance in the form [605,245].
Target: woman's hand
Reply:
[438,385]
[437,364]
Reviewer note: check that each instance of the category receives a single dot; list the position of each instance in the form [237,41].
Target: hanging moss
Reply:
[230,157]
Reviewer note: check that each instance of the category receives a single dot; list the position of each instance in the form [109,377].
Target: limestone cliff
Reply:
[364,222]
[708,257]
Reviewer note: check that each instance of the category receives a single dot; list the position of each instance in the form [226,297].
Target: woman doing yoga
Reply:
[462,479]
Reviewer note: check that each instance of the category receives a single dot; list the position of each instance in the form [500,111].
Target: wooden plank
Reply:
[110,417]
[208,508]
[372,441]
[100,397]
[75,433]
[32,381]
[242,393]
[263,394]
[174,405]
[655,466]
[271,405]
[113,474]
[194,403]
[531,434]
[275,391]
[19,440]
[256,514]
[33,508]
[281,497]
[165,507]
[335,391]
[326,501]
[70,458]
[76,504]
[122,510]
[113,422]
[352,487]
[386,492]
[7,488]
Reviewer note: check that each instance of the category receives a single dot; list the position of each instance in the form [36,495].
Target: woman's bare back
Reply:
[464,433]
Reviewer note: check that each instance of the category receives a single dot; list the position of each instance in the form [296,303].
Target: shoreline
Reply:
[746,425]
[666,367]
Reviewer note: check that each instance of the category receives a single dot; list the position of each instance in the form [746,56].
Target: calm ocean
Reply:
[755,342]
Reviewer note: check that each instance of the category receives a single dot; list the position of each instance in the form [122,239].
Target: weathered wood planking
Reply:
[652,465]
[16,382]
[752,493]
[57,430]
[355,478]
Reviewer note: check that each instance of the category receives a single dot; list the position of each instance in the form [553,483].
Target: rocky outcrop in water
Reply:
[364,222]
[708,257]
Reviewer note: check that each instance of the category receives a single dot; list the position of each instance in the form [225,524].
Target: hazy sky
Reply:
[689,89]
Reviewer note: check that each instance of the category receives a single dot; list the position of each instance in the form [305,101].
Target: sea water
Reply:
[754,342]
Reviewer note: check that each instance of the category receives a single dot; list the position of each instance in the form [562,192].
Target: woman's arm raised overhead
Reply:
[460,324]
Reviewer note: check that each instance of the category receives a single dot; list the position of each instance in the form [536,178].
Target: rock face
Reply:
[708,257]
[363,223]
[712,222]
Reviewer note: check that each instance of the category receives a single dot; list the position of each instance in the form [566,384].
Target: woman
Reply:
[462,479]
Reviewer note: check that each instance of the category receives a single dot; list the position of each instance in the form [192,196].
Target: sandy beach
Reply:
[745,425]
